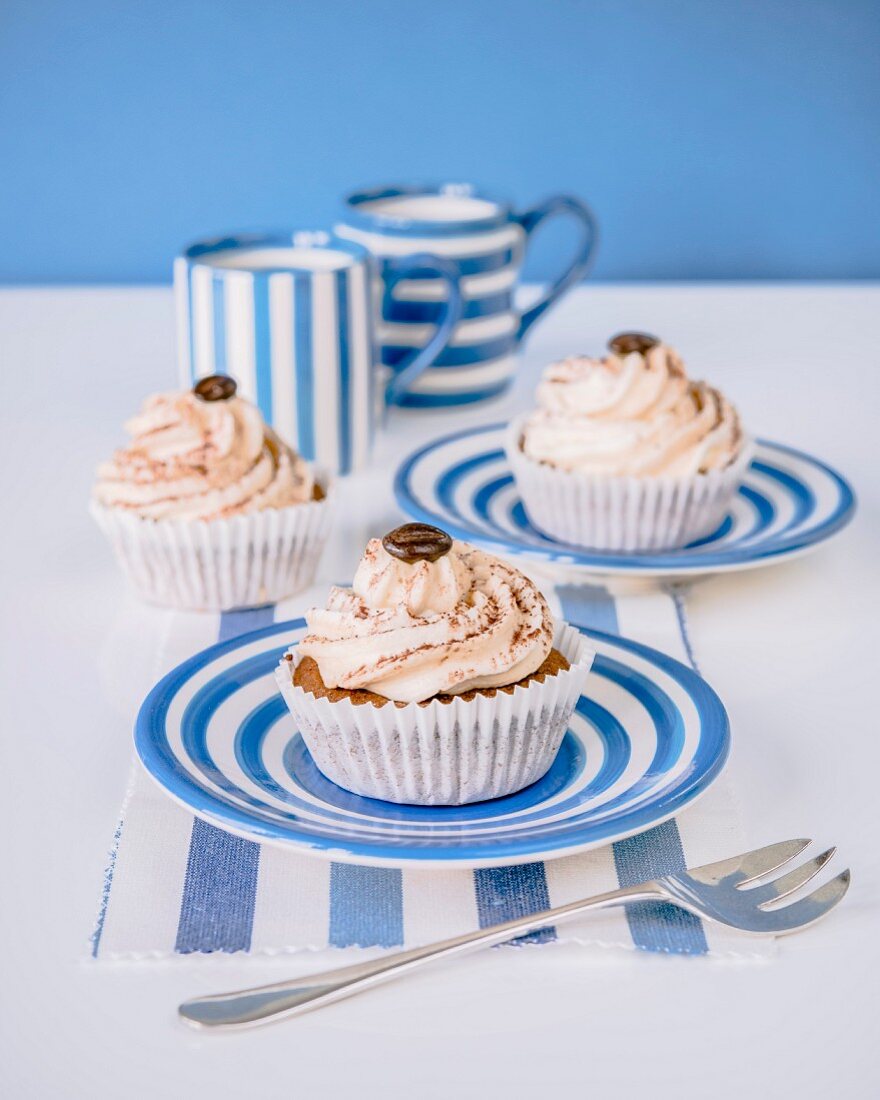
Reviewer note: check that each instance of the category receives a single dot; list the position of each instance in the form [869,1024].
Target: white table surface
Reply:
[792,650]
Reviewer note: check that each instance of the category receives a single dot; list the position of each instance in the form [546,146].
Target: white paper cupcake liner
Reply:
[217,565]
[623,513]
[442,754]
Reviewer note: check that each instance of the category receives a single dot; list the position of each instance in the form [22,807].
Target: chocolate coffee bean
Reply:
[417,542]
[624,343]
[215,387]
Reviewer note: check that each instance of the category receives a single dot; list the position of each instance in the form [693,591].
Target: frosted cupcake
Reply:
[438,678]
[206,508]
[626,452]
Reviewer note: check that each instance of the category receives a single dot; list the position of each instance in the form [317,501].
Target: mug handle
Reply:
[421,265]
[580,265]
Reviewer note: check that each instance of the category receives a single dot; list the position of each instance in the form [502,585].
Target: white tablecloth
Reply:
[791,649]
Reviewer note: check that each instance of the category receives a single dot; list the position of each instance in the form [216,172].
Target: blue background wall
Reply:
[715,139]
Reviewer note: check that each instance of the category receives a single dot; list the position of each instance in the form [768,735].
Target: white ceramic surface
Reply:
[792,651]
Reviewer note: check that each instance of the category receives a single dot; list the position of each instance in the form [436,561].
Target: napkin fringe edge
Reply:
[717,953]
[110,867]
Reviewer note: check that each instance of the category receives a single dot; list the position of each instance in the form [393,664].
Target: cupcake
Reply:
[626,452]
[439,678]
[206,508]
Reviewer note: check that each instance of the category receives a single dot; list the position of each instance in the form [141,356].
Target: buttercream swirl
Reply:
[637,414]
[410,631]
[195,459]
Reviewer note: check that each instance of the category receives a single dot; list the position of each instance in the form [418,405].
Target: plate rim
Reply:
[236,821]
[644,565]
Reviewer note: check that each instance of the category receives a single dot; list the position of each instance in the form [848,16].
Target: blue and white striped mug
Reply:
[290,316]
[485,241]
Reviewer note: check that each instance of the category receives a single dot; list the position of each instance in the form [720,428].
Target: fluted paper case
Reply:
[442,754]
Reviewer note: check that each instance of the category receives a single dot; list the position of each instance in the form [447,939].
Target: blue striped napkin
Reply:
[176,885]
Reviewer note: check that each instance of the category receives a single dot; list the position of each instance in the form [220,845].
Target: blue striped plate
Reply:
[789,502]
[648,737]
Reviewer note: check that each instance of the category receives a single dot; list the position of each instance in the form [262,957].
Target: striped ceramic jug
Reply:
[291,317]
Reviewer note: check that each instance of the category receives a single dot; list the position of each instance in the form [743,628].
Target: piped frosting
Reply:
[413,630]
[633,414]
[190,458]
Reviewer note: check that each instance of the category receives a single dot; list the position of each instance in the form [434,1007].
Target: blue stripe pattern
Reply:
[345,409]
[472,265]
[588,605]
[458,397]
[219,892]
[366,906]
[462,355]
[235,623]
[188,369]
[657,926]
[305,383]
[504,893]
[219,326]
[489,261]
[263,346]
[816,501]
[523,814]
[237,336]
[654,926]
[366,903]
[420,313]
[220,887]
[231,805]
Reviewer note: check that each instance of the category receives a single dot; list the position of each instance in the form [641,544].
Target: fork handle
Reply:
[292,998]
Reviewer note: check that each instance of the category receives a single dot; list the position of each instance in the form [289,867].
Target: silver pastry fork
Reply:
[731,892]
